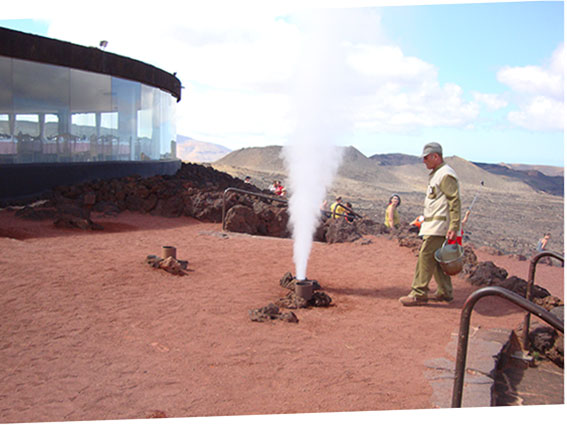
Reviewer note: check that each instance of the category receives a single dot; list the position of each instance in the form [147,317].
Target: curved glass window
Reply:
[52,113]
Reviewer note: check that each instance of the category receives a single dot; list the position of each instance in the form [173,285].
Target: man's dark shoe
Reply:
[410,300]
[440,298]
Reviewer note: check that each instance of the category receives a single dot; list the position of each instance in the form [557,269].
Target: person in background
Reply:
[416,224]
[279,190]
[337,210]
[542,243]
[247,179]
[442,212]
[392,218]
[349,213]
[324,208]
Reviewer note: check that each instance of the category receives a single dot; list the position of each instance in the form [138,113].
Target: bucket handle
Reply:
[445,243]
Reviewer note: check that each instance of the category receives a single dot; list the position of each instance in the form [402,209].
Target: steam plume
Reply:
[311,155]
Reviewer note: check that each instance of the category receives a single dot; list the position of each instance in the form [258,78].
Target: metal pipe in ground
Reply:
[168,251]
[304,289]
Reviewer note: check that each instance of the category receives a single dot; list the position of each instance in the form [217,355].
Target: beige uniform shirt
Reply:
[442,205]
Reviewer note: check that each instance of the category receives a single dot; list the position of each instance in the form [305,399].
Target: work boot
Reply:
[411,300]
[440,298]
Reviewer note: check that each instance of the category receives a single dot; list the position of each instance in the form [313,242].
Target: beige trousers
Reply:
[427,267]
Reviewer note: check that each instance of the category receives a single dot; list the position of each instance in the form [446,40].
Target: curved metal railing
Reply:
[271,198]
[462,342]
[245,192]
[531,279]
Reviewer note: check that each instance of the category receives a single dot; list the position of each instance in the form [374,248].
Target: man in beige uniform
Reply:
[442,211]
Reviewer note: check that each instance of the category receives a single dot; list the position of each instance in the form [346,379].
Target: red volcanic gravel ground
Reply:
[91,332]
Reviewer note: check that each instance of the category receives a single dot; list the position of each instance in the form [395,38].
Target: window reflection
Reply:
[28,142]
[6,85]
[4,126]
[72,115]
[39,87]
[7,142]
[126,101]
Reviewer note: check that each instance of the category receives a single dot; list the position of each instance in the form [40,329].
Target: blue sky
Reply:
[483,79]
[482,37]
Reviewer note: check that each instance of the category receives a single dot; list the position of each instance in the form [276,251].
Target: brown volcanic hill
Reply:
[354,165]
[474,176]
[404,159]
[531,176]
[267,159]
[191,150]
[543,178]
[548,170]
[357,167]
[508,214]
[395,159]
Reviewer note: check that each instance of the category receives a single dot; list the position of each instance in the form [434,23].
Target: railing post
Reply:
[465,324]
[531,279]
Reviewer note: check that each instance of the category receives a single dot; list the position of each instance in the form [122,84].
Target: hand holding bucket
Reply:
[450,258]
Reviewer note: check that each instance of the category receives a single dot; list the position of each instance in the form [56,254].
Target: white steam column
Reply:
[311,155]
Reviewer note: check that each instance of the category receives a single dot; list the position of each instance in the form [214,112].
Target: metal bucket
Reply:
[450,258]
[168,251]
[304,289]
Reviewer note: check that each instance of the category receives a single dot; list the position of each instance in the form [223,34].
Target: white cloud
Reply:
[237,64]
[388,64]
[492,101]
[538,92]
[233,118]
[402,93]
[539,113]
[395,109]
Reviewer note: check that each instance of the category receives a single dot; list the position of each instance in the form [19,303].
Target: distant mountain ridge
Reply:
[548,170]
[191,150]
[553,185]
[402,170]
[402,159]
[533,175]
[395,159]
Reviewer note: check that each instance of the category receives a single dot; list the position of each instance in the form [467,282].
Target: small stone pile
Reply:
[290,301]
[271,312]
[486,273]
[169,264]
[65,214]
[547,341]
[293,301]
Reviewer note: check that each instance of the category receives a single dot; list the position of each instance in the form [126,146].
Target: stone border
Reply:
[484,353]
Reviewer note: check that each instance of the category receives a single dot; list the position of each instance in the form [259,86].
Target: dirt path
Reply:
[90,332]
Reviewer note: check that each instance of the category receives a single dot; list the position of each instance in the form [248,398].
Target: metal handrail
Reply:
[271,198]
[531,279]
[246,192]
[344,215]
[462,342]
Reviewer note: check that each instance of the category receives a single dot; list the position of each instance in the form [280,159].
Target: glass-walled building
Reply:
[61,102]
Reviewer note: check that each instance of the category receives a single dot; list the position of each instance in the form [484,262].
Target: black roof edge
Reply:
[21,45]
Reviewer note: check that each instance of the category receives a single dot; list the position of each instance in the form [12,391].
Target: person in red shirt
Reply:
[279,189]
